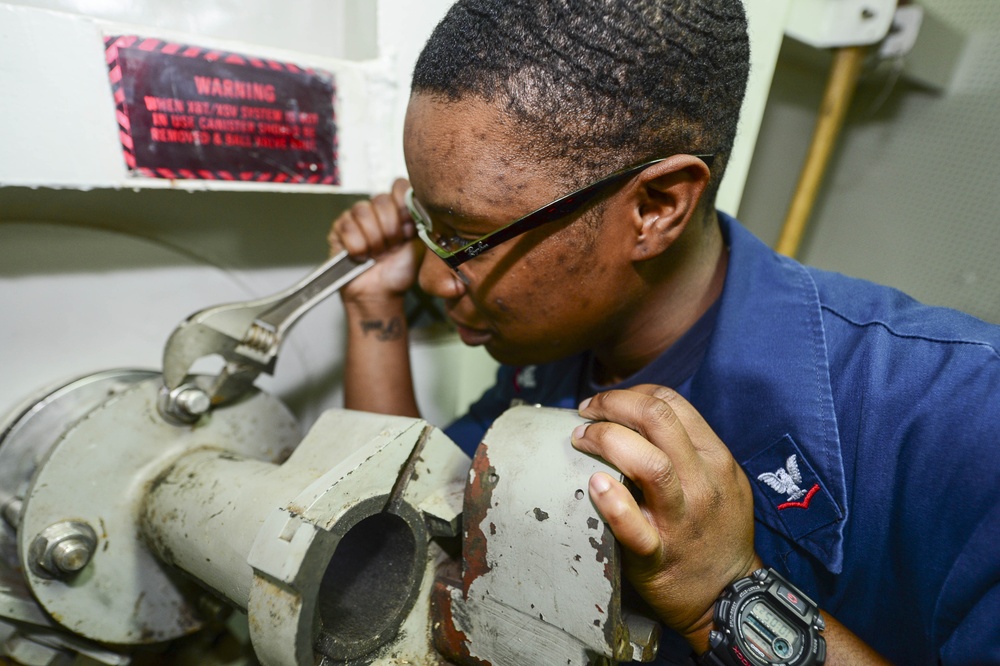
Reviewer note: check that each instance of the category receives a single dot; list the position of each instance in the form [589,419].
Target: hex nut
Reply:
[62,549]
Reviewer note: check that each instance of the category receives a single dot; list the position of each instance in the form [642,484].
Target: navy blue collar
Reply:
[764,387]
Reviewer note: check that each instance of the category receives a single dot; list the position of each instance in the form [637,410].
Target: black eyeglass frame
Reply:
[551,212]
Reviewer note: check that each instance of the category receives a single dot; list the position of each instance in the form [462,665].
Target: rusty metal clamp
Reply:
[247,335]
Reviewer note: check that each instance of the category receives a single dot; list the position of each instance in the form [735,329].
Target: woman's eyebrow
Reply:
[458,214]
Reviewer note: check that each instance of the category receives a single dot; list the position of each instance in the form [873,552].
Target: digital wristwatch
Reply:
[763,620]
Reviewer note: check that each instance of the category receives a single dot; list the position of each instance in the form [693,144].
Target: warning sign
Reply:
[186,112]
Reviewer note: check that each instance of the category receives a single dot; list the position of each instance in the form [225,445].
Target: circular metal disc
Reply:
[29,430]
[98,473]
[27,433]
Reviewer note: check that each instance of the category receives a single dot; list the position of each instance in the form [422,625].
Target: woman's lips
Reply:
[471,336]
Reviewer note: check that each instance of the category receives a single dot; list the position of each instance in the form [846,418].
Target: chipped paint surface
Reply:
[449,639]
[541,577]
[483,479]
[503,636]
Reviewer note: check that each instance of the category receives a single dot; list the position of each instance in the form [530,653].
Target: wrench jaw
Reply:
[185,398]
[198,394]
[188,343]
[235,380]
[247,335]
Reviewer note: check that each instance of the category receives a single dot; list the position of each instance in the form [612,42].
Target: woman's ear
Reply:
[666,198]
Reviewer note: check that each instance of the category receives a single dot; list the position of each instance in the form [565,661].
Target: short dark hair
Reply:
[605,83]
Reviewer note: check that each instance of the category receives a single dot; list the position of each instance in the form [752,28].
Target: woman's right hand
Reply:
[380,228]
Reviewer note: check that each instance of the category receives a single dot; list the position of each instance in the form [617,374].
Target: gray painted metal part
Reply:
[123,528]
[27,435]
[98,473]
[541,578]
[329,552]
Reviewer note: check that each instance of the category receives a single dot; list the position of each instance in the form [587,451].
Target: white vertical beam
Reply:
[767,26]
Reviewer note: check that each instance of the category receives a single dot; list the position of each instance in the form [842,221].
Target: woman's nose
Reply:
[438,279]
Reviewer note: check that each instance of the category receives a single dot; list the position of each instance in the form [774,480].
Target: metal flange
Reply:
[27,435]
[97,474]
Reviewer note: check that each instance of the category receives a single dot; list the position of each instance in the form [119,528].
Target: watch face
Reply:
[767,635]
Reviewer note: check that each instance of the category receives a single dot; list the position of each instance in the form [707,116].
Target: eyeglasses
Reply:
[455,250]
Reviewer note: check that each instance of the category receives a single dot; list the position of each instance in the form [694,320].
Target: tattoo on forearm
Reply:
[384,331]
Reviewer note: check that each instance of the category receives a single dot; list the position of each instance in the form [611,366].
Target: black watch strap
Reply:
[762,620]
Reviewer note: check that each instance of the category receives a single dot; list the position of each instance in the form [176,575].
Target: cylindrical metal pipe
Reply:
[203,513]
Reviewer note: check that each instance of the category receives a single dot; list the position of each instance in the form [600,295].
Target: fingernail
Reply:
[584,404]
[580,431]
[600,484]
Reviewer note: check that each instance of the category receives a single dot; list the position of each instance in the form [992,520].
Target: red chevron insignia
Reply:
[804,504]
